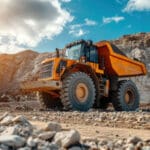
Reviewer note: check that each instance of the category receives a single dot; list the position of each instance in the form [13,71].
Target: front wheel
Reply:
[47,101]
[78,92]
[126,98]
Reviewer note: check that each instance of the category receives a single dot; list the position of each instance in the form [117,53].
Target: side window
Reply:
[88,53]
[93,54]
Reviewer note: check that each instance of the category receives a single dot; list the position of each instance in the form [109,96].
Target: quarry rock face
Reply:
[26,65]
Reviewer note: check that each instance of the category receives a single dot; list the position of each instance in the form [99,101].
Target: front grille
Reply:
[46,70]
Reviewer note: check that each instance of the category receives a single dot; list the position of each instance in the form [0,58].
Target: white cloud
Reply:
[24,23]
[66,1]
[89,22]
[116,19]
[137,5]
[10,48]
[77,29]
[75,26]
[78,32]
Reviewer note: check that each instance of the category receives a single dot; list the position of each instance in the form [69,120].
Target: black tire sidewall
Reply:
[77,105]
[133,106]
[47,101]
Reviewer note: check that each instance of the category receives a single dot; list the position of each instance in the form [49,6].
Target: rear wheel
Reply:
[78,92]
[47,101]
[126,98]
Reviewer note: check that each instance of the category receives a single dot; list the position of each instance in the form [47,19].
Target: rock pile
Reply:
[16,132]
[131,143]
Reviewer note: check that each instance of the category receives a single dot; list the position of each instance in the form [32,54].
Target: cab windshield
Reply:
[73,52]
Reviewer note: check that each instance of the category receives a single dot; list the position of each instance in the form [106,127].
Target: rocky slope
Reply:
[17,68]
[25,65]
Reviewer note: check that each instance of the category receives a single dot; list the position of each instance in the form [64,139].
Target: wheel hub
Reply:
[81,92]
[129,97]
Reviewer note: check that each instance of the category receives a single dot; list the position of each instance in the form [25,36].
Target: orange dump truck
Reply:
[88,75]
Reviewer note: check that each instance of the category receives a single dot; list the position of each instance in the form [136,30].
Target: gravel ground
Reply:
[24,127]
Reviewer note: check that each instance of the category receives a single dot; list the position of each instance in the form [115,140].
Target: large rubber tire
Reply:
[47,101]
[69,94]
[126,98]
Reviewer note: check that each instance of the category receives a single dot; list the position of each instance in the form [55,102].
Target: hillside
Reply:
[25,65]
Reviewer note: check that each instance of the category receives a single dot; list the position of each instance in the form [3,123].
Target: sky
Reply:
[43,25]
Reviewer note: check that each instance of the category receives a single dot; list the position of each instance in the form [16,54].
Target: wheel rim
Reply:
[129,97]
[81,92]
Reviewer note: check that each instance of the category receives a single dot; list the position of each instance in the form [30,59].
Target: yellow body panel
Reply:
[95,67]
[117,64]
[57,76]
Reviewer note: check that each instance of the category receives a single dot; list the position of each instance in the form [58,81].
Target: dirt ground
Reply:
[98,132]
[95,124]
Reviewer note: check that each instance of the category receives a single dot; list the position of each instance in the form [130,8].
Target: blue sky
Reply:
[96,10]
[64,21]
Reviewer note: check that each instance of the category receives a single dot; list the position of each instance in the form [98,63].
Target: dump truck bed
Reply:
[117,64]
